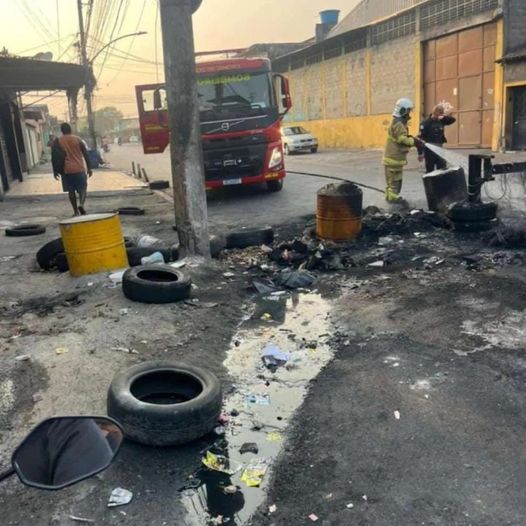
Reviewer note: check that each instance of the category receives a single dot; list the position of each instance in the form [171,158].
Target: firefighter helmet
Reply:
[403,107]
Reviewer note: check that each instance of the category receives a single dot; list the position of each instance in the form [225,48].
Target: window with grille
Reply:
[355,41]
[440,12]
[314,59]
[397,27]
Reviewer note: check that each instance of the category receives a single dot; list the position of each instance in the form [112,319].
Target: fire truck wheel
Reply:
[61,262]
[165,404]
[47,253]
[275,186]
[156,284]
[159,185]
[466,212]
[25,230]
[250,238]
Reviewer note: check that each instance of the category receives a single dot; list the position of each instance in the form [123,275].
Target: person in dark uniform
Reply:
[432,131]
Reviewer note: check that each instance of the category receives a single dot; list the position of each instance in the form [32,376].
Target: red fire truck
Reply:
[242,104]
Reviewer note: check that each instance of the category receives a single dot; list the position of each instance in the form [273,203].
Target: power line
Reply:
[111,37]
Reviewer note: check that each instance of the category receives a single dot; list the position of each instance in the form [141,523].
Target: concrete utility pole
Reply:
[191,214]
[88,93]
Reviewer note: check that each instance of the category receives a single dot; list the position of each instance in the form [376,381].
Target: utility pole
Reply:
[88,72]
[191,214]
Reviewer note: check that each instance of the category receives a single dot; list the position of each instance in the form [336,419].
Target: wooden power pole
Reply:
[191,214]
[88,72]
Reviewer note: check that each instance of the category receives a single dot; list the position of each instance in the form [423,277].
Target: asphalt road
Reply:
[255,206]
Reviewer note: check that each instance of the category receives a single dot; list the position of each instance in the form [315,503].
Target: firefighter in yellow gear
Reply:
[399,142]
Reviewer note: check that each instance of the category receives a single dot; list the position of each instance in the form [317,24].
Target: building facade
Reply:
[468,53]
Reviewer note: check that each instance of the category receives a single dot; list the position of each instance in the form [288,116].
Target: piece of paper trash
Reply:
[221,463]
[274,436]
[61,350]
[350,506]
[272,355]
[376,264]
[254,473]
[82,519]
[313,517]
[120,497]
[266,316]
[116,277]
[258,399]
[397,415]
[272,509]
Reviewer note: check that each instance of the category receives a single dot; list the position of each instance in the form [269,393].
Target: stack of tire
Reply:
[473,217]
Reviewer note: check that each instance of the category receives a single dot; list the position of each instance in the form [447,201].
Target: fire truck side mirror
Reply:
[283,93]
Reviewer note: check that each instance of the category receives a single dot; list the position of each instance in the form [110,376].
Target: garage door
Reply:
[460,69]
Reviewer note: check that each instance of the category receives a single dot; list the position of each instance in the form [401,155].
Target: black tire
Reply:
[275,186]
[25,230]
[131,211]
[156,284]
[250,238]
[165,404]
[474,226]
[47,254]
[314,150]
[61,262]
[466,212]
[159,185]
[217,245]
[135,254]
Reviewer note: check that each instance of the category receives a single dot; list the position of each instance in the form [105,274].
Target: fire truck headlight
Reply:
[276,159]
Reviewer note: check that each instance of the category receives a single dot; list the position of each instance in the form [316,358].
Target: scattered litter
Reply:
[116,277]
[249,447]
[266,316]
[153,259]
[387,240]
[125,350]
[228,274]
[37,398]
[376,264]
[123,312]
[23,358]
[7,258]
[120,497]
[90,283]
[149,241]
[221,463]
[82,519]
[220,430]
[258,399]
[223,418]
[296,279]
[254,473]
[274,436]
[230,490]
[61,350]
[350,506]
[364,498]
[264,286]
[178,264]
[266,249]
[273,356]
[397,415]
[313,517]
[272,509]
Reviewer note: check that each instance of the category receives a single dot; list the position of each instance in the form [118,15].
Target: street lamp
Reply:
[139,33]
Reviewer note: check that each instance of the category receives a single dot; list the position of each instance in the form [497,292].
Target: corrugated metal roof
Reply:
[369,11]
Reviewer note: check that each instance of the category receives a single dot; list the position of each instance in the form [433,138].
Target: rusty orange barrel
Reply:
[339,212]
[93,243]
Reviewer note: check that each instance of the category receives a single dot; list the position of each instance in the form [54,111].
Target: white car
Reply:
[297,139]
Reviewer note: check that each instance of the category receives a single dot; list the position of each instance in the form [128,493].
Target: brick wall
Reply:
[392,73]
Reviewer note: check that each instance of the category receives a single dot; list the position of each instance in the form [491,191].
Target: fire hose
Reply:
[368,187]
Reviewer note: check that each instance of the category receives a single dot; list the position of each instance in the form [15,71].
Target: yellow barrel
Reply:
[93,243]
[339,212]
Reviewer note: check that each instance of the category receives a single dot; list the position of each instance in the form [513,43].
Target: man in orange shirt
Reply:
[71,162]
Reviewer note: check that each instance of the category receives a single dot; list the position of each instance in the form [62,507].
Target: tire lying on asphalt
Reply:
[275,186]
[135,254]
[466,212]
[250,238]
[130,211]
[156,284]
[47,254]
[164,403]
[159,185]
[61,262]
[25,230]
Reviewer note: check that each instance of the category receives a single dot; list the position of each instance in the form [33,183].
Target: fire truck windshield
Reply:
[231,95]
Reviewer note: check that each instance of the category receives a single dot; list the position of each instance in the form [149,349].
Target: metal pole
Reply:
[88,72]
[189,193]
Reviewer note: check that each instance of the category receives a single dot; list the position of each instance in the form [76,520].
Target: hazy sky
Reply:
[30,26]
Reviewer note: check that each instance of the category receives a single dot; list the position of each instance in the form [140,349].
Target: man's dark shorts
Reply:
[75,182]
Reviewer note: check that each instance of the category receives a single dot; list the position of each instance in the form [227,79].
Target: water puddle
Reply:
[292,332]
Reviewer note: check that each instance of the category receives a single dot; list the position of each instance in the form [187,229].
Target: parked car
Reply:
[297,139]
